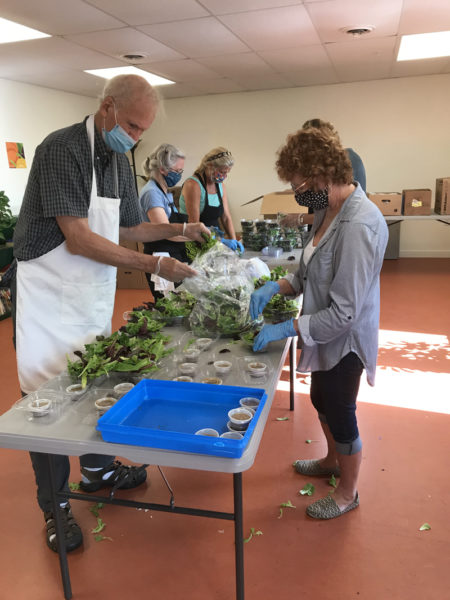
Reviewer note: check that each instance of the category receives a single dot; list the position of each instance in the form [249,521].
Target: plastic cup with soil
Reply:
[257,369]
[240,418]
[208,432]
[232,435]
[222,366]
[40,407]
[74,391]
[123,388]
[212,380]
[104,404]
[187,368]
[250,403]
[184,378]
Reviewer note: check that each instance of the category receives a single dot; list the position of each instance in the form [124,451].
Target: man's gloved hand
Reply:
[272,333]
[233,245]
[261,297]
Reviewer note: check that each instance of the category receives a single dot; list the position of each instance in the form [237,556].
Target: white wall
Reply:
[400,128]
[28,114]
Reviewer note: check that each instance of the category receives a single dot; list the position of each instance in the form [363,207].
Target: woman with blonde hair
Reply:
[164,168]
[204,196]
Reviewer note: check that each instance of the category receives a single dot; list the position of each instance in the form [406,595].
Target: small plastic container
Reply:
[191,354]
[257,369]
[203,343]
[123,388]
[74,391]
[240,418]
[212,380]
[104,404]
[222,366]
[208,432]
[250,403]
[184,378]
[39,407]
[187,368]
[232,435]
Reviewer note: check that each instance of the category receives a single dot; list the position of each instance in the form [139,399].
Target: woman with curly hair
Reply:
[339,278]
[204,195]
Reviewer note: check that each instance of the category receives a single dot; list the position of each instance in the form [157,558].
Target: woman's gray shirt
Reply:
[341,288]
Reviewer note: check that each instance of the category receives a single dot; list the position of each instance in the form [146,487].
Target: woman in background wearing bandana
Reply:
[339,278]
[164,168]
[204,195]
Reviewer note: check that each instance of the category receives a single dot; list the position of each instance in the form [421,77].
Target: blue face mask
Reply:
[118,139]
[172,178]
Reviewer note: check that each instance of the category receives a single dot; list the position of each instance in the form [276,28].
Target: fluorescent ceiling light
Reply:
[150,77]
[424,45]
[13,32]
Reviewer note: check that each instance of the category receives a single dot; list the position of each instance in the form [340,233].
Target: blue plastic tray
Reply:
[166,414]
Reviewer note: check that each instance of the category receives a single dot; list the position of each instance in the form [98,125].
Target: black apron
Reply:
[211,214]
[175,249]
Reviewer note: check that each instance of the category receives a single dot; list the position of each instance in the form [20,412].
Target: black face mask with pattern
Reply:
[311,199]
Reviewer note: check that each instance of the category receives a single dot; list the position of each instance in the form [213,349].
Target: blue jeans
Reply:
[333,395]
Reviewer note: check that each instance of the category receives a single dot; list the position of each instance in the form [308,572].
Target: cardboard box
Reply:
[417,202]
[280,202]
[442,198]
[131,279]
[390,204]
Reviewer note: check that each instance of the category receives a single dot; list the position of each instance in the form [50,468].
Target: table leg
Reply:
[292,367]
[238,535]
[62,554]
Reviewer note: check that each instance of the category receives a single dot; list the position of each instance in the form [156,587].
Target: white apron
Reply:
[65,300]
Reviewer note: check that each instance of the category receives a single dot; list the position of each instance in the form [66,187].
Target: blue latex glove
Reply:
[272,333]
[233,245]
[261,297]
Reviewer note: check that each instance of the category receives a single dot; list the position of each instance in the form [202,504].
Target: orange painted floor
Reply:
[373,553]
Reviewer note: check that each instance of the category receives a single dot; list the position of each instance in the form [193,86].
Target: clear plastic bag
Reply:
[222,289]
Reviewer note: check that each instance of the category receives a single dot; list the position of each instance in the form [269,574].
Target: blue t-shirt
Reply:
[151,196]
[213,199]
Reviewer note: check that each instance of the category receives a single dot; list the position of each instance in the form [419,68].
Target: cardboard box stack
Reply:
[131,278]
[390,204]
[280,202]
[417,202]
[442,202]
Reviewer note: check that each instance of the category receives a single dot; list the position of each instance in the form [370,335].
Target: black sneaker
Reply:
[123,477]
[73,536]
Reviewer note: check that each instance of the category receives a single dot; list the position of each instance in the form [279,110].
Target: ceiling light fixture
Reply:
[358,30]
[13,32]
[150,77]
[424,45]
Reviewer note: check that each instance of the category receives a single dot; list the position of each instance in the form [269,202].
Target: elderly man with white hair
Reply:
[80,198]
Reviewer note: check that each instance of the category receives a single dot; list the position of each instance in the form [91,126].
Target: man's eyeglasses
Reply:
[297,188]
[178,171]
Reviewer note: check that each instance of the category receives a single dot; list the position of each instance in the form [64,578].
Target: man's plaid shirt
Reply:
[60,185]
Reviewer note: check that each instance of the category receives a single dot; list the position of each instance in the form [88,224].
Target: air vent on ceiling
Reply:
[358,30]
[133,56]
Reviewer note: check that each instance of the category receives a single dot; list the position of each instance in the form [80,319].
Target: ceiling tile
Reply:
[419,18]
[137,12]
[237,65]
[216,86]
[304,58]
[331,16]
[181,70]
[412,68]
[196,37]
[178,90]
[264,82]
[57,18]
[219,7]
[273,29]
[362,59]
[124,41]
